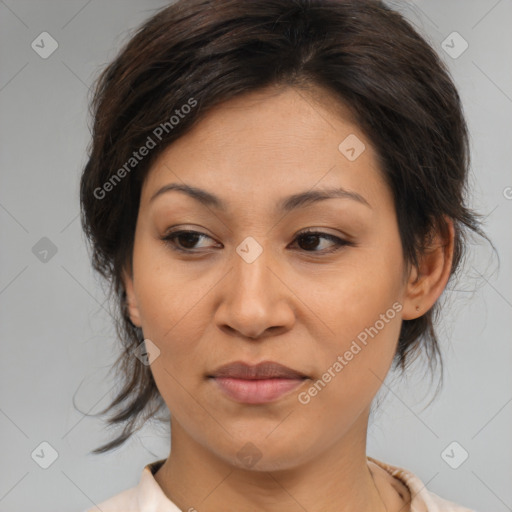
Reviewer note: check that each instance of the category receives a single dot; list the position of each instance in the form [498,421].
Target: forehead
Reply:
[269,144]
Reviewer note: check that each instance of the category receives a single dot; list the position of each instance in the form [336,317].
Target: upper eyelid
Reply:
[305,231]
[313,231]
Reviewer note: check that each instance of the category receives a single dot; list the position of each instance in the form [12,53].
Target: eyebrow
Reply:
[287,204]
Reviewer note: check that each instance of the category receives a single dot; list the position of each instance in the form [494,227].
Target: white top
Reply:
[147,495]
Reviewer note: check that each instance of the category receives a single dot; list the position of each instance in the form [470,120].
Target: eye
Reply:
[185,241]
[311,239]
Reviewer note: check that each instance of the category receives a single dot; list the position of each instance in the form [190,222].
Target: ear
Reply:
[427,281]
[131,299]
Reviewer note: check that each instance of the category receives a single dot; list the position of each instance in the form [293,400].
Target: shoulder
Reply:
[141,498]
[447,506]
[422,500]
[126,501]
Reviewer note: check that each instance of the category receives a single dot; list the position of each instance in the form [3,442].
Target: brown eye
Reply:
[184,241]
[310,240]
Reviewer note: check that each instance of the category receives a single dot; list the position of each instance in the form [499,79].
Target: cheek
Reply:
[354,369]
[363,292]
[172,317]
[358,359]
[362,309]
[167,291]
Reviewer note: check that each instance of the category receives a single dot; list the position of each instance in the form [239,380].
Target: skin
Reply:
[295,304]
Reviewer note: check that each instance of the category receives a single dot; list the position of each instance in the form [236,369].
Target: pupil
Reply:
[310,238]
[190,238]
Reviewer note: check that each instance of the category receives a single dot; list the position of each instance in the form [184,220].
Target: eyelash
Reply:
[170,238]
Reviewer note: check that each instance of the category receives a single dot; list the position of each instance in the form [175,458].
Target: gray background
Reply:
[57,339]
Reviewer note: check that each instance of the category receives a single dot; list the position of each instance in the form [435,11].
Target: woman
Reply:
[275,191]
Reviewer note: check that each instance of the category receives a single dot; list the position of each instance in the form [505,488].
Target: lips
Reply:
[263,370]
[258,384]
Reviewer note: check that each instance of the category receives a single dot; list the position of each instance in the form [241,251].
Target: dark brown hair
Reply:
[200,53]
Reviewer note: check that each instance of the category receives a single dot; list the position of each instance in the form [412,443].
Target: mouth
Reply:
[262,383]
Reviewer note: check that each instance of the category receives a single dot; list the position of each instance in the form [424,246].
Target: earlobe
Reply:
[131,300]
[427,282]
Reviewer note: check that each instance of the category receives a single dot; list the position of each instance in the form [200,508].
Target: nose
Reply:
[255,300]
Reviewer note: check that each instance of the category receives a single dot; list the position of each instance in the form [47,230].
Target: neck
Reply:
[337,479]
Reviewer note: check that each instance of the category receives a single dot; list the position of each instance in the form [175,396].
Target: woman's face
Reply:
[251,286]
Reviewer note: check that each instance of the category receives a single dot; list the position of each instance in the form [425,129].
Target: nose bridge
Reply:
[251,301]
[251,272]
